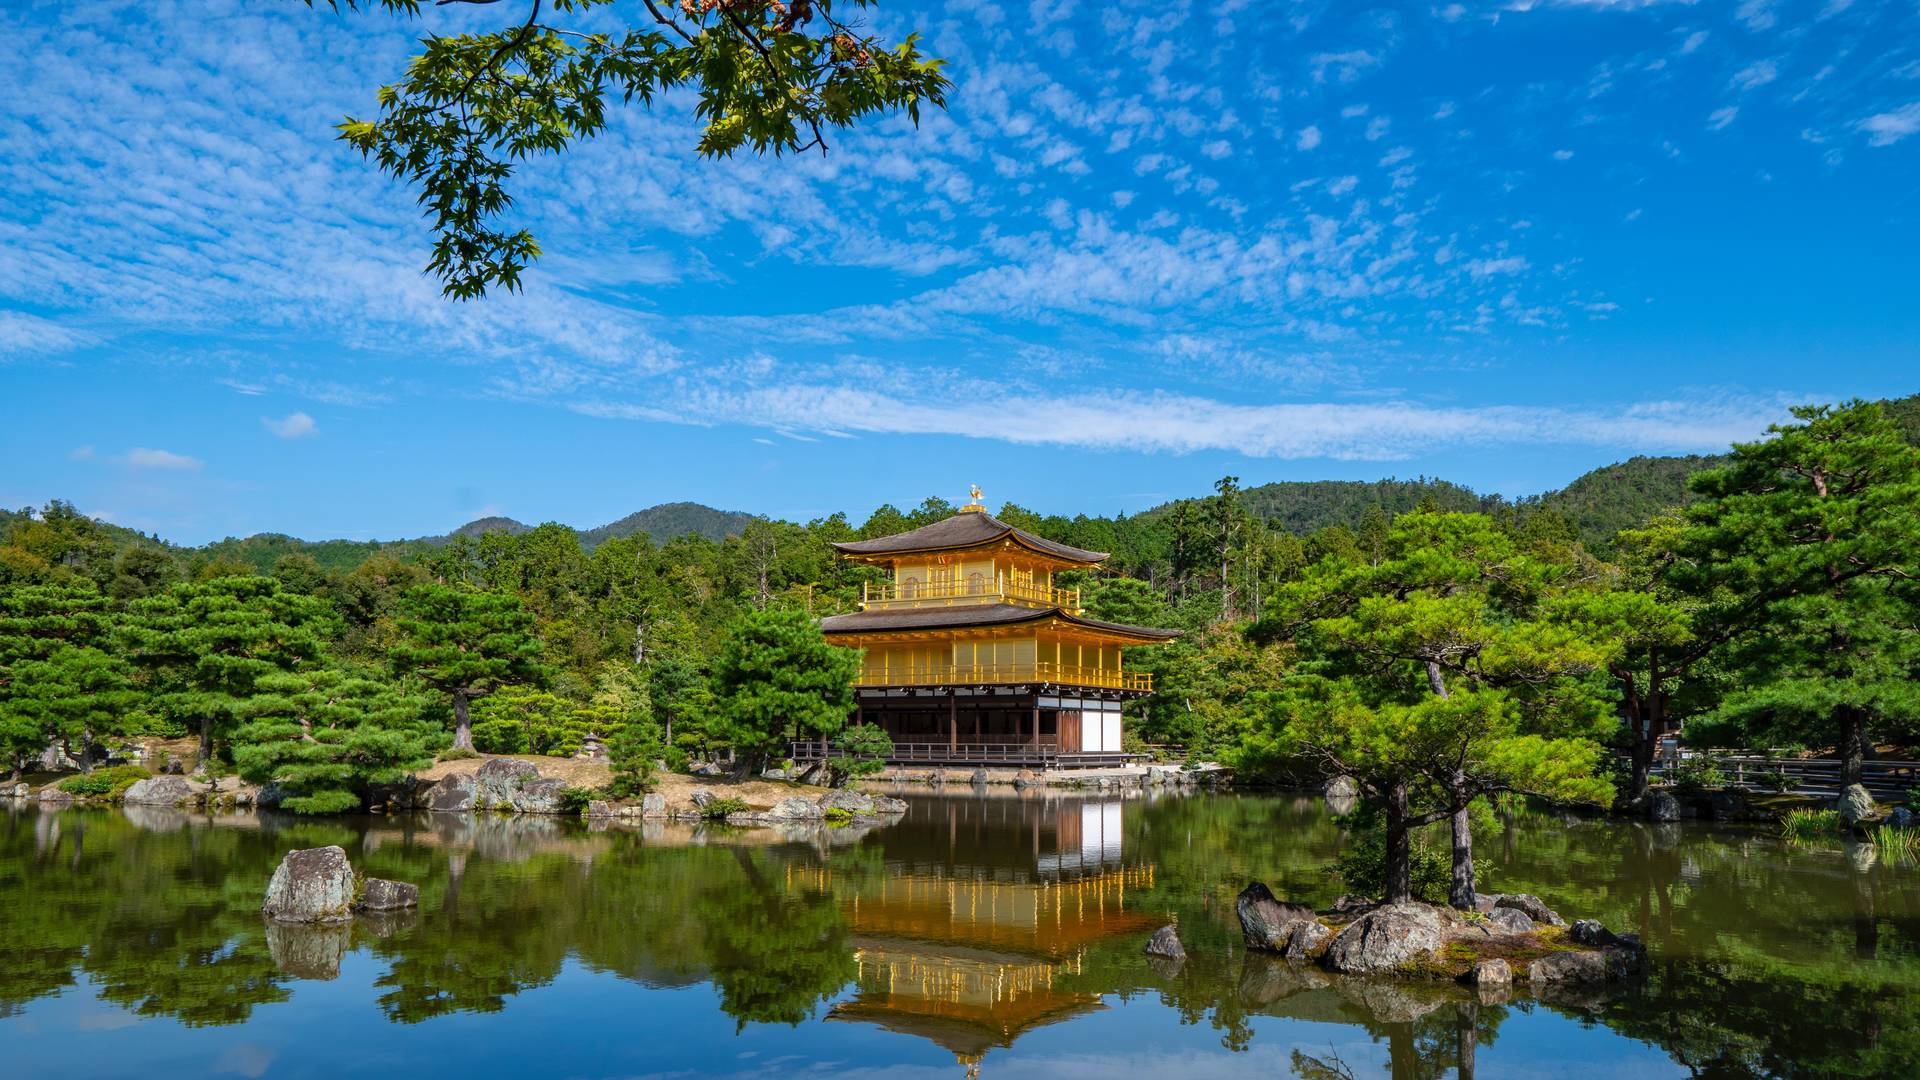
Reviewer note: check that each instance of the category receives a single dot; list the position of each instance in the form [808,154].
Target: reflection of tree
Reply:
[774,954]
[496,929]
[158,921]
[1441,1043]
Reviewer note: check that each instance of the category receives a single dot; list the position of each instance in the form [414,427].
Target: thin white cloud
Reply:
[1721,117]
[1307,139]
[1887,128]
[1755,75]
[296,425]
[1342,66]
[22,334]
[141,457]
[1174,423]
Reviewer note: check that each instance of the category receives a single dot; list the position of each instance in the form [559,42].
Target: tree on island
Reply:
[777,679]
[1811,534]
[1448,670]
[204,646]
[327,735]
[466,645]
[769,75]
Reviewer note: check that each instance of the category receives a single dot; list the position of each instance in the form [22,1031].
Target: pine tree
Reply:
[777,679]
[55,681]
[466,645]
[328,734]
[1810,535]
[204,645]
[1452,668]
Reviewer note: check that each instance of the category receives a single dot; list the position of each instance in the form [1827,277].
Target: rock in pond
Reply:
[653,806]
[1590,932]
[453,794]
[312,885]
[1509,920]
[1388,938]
[1265,921]
[701,797]
[53,796]
[886,804]
[794,808]
[599,808]
[1662,806]
[159,791]
[1166,943]
[1612,964]
[1534,908]
[853,802]
[383,895]
[510,784]
[1855,805]
[1494,972]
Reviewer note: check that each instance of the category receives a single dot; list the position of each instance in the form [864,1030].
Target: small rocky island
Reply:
[1507,938]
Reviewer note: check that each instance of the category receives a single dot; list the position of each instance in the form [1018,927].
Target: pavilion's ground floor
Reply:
[1039,726]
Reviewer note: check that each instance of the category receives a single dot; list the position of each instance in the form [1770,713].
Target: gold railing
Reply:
[888,592]
[962,675]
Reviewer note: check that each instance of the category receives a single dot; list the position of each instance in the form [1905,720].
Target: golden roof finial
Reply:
[976,506]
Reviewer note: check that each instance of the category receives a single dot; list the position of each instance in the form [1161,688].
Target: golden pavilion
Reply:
[973,656]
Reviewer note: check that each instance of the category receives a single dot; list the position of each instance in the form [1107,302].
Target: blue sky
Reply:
[1146,245]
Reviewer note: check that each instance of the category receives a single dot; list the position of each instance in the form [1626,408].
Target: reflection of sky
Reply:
[597,1025]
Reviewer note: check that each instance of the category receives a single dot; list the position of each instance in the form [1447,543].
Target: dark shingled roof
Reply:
[963,530]
[962,616]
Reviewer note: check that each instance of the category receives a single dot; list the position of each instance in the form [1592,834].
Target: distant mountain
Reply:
[1624,495]
[479,527]
[670,521]
[663,523]
[1306,506]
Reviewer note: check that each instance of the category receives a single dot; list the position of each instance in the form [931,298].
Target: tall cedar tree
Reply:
[777,679]
[1444,672]
[327,735]
[204,645]
[1812,532]
[466,645]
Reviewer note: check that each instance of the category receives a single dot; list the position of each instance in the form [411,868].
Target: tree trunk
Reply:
[1398,871]
[86,748]
[1460,892]
[462,725]
[206,744]
[1853,741]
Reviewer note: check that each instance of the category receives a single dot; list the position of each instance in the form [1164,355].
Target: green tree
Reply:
[769,75]
[78,695]
[522,720]
[1811,533]
[203,645]
[859,750]
[326,735]
[777,679]
[1444,672]
[53,671]
[466,645]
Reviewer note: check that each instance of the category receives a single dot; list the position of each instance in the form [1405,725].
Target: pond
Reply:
[988,934]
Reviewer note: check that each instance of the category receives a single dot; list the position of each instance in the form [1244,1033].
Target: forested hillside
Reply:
[261,551]
[599,616]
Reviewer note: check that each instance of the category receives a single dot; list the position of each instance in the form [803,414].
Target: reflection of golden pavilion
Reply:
[971,964]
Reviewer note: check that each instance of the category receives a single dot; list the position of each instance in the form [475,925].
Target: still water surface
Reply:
[983,933]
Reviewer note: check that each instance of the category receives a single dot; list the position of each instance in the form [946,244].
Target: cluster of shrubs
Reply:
[110,782]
